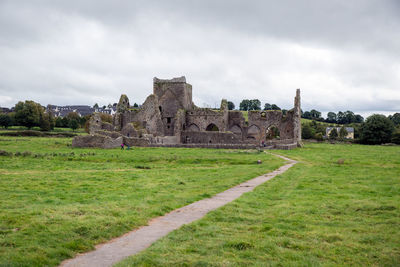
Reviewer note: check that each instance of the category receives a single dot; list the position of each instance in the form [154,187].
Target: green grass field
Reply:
[56,200]
[320,212]
[56,129]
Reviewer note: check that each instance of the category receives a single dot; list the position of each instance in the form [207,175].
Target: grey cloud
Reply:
[342,54]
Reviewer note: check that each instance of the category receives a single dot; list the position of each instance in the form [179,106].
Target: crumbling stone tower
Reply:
[168,117]
[173,95]
[297,119]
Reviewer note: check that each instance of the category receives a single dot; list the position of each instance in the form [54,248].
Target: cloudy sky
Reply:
[344,55]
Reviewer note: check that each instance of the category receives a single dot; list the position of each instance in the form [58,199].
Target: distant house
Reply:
[62,111]
[350,131]
[5,110]
[108,110]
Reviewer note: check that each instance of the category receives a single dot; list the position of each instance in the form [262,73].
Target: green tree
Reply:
[59,122]
[396,137]
[341,118]
[395,118]
[136,105]
[255,104]
[73,124]
[44,122]
[350,117]
[275,107]
[342,133]
[315,114]
[333,134]
[96,105]
[5,120]
[51,118]
[267,106]
[244,105]
[377,129]
[358,118]
[73,120]
[231,105]
[65,122]
[307,115]
[28,113]
[73,116]
[331,117]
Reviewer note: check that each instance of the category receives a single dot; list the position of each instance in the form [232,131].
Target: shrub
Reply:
[307,132]
[44,122]
[396,137]
[319,136]
[5,153]
[5,120]
[106,117]
[342,133]
[26,153]
[333,134]
[73,124]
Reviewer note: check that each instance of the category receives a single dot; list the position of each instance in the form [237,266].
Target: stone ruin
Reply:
[169,118]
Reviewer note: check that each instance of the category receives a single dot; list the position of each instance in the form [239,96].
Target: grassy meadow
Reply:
[56,129]
[57,200]
[340,205]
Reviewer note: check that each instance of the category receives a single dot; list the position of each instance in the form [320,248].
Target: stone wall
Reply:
[100,141]
[203,118]
[134,141]
[148,116]
[209,138]
[213,146]
[108,133]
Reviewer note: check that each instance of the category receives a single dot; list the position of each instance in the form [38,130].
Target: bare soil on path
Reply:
[141,238]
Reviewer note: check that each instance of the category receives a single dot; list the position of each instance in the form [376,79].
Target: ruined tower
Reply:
[173,95]
[297,118]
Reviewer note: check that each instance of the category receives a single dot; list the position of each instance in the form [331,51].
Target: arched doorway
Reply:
[212,128]
[253,132]
[193,128]
[272,132]
[236,130]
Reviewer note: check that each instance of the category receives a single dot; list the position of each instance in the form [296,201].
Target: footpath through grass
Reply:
[56,201]
[320,212]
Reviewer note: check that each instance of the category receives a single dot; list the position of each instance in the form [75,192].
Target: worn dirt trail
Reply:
[139,239]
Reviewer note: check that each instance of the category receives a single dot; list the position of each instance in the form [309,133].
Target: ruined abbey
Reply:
[169,117]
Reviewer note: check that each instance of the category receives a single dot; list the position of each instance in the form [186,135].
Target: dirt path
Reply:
[139,239]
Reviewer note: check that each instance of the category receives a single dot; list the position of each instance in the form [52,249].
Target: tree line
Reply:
[376,129]
[346,117]
[31,114]
[253,104]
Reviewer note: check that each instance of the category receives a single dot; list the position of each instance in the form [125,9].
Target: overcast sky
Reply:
[342,54]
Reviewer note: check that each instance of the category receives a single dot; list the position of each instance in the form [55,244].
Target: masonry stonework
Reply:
[168,117]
